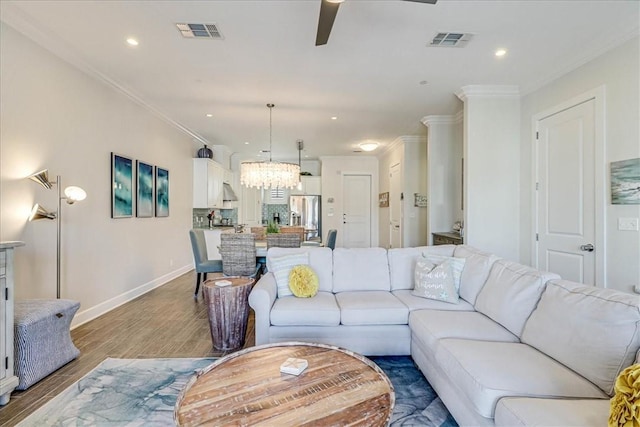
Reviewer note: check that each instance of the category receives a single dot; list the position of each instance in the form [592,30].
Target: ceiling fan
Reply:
[328,12]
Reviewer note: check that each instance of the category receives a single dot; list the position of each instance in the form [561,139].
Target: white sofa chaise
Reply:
[522,347]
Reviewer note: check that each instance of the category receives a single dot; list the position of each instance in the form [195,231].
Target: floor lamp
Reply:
[71,195]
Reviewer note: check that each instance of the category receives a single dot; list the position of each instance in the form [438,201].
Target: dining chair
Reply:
[293,229]
[238,253]
[331,239]
[259,232]
[283,240]
[201,259]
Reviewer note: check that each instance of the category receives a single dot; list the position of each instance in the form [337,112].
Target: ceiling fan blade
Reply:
[328,12]
[424,1]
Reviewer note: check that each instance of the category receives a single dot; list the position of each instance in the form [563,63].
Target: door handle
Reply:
[587,248]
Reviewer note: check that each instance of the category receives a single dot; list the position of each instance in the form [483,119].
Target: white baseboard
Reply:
[84,316]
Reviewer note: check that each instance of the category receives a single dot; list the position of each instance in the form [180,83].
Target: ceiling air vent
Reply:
[200,31]
[450,39]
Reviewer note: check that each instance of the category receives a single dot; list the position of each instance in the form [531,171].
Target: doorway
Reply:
[356,217]
[568,238]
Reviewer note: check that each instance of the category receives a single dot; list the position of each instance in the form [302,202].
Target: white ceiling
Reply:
[368,75]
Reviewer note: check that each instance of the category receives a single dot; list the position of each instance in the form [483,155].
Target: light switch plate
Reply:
[628,224]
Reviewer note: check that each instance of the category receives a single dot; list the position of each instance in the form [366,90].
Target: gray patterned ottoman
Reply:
[42,338]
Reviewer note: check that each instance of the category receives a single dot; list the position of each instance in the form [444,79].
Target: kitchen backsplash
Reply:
[282,210]
[200,216]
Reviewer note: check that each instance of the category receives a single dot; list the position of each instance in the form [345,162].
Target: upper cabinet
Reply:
[311,185]
[208,177]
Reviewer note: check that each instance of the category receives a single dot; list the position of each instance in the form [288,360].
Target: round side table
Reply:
[228,311]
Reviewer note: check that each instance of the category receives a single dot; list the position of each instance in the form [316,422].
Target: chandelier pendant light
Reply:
[269,174]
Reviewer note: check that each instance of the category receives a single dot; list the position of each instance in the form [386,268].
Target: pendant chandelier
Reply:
[269,174]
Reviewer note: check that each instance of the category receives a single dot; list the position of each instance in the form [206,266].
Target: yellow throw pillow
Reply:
[625,404]
[303,281]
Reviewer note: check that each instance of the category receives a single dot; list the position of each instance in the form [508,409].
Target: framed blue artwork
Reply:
[121,186]
[144,200]
[625,182]
[162,192]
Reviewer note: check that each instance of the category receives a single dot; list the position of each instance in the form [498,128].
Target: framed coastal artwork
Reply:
[121,186]
[162,192]
[383,200]
[144,190]
[625,182]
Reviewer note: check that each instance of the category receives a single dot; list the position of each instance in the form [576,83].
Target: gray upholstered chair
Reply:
[283,240]
[238,251]
[203,264]
[331,239]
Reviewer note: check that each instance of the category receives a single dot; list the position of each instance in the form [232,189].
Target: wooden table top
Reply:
[246,388]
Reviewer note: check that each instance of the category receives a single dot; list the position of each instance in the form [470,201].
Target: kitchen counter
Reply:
[216,227]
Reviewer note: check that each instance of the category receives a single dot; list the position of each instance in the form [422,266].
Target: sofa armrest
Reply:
[261,299]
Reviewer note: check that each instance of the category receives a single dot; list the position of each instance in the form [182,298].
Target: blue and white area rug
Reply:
[143,392]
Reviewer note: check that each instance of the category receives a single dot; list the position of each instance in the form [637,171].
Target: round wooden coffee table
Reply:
[246,388]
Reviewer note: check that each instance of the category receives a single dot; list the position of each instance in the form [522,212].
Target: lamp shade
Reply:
[38,212]
[269,174]
[74,194]
[42,178]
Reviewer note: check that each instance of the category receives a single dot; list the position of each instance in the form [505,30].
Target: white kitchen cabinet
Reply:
[311,185]
[208,177]
[8,381]
[212,239]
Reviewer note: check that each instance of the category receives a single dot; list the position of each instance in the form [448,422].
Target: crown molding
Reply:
[442,120]
[488,91]
[405,139]
[17,19]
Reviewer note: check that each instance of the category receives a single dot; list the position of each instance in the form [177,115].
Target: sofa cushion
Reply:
[429,326]
[371,308]
[416,303]
[524,411]
[321,310]
[320,259]
[595,332]
[303,281]
[485,371]
[402,263]
[360,269]
[476,270]
[435,281]
[511,293]
[281,268]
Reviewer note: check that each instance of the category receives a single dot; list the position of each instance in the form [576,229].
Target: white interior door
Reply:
[356,217]
[395,206]
[251,207]
[566,193]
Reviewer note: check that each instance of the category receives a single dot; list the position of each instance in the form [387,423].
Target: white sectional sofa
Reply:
[521,347]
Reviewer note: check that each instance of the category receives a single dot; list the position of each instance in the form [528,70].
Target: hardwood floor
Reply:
[166,322]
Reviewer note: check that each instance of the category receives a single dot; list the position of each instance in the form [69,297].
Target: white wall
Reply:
[333,169]
[618,71]
[444,146]
[54,116]
[491,168]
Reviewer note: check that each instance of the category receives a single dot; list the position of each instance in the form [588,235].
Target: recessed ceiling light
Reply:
[209,115]
[246,143]
[334,118]
[368,146]
[501,52]
[132,41]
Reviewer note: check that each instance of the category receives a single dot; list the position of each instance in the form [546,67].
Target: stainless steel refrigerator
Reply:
[306,211]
